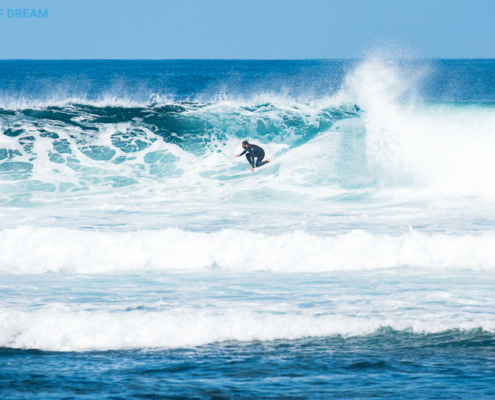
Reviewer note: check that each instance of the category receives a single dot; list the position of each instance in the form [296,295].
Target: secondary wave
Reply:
[62,250]
[64,330]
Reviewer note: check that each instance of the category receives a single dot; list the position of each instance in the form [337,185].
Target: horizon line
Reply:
[235,59]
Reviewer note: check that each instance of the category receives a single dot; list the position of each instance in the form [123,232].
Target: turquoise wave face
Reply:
[74,148]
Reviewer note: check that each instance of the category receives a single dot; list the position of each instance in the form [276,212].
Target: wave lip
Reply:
[62,250]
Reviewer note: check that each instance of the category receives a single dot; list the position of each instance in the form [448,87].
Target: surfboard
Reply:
[248,171]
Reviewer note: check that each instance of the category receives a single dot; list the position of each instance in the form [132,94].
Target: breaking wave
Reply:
[62,250]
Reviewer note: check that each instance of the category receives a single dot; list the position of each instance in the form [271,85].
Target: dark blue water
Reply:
[189,80]
[383,365]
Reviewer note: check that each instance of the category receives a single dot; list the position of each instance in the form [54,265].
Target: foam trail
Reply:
[29,250]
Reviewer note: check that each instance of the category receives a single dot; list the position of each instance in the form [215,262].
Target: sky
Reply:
[244,29]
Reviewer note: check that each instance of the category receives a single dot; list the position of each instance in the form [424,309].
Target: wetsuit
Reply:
[253,152]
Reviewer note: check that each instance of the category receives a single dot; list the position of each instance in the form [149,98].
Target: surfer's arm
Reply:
[250,159]
[244,152]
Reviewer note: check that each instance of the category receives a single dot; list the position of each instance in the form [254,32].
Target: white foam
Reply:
[28,250]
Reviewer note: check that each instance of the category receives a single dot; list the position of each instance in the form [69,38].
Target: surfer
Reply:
[252,151]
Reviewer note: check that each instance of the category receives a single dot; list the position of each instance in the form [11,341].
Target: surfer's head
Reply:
[245,144]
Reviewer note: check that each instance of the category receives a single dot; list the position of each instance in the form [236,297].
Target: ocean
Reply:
[139,258]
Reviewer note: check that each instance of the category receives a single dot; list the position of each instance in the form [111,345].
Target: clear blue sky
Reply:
[246,29]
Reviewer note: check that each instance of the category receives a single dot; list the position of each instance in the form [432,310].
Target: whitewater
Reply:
[131,234]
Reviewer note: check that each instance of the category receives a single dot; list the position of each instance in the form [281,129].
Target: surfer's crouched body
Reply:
[252,151]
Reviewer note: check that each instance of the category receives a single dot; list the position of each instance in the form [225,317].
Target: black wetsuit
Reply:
[253,152]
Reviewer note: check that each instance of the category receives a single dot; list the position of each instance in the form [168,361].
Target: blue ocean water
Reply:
[139,258]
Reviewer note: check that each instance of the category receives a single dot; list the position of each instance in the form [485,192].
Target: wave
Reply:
[64,330]
[93,149]
[61,250]
[375,133]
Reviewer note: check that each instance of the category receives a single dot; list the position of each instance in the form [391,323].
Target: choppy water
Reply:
[135,247]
